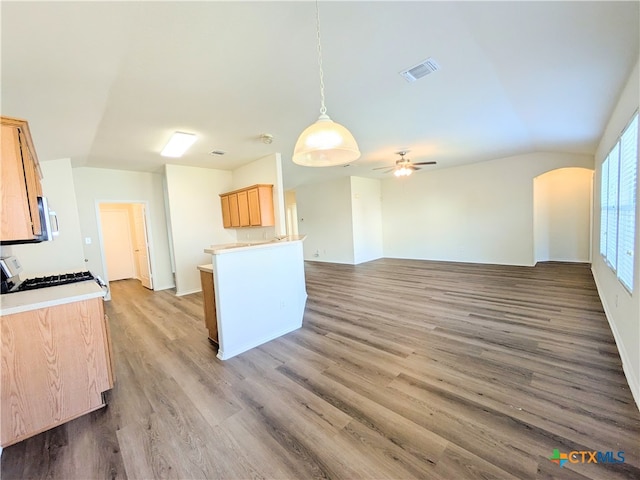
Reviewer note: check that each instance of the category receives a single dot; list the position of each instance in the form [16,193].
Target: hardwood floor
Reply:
[402,369]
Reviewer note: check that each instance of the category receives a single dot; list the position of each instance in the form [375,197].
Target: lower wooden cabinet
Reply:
[56,364]
[248,207]
[209,301]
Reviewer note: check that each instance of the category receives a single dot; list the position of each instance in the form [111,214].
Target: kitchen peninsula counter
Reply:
[249,245]
[259,290]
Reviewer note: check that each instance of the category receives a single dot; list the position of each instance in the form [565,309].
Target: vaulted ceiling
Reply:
[106,83]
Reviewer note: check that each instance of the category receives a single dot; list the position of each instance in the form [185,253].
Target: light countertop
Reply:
[250,245]
[18,302]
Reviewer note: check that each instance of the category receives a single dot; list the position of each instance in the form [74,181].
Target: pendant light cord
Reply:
[323,108]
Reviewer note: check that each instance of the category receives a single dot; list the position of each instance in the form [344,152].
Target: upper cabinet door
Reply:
[255,219]
[234,216]
[243,208]
[265,199]
[20,182]
[34,187]
[226,213]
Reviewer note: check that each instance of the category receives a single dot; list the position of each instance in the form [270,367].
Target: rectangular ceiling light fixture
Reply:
[420,70]
[178,144]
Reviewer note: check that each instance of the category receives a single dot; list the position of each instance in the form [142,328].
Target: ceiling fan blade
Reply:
[414,168]
[380,168]
[424,163]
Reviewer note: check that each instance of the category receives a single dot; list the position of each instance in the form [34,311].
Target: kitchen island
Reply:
[259,291]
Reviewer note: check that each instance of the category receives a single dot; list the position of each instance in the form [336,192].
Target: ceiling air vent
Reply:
[217,152]
[420,70]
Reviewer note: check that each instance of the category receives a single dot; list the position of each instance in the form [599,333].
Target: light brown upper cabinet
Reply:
[233,210]
[20,183]
[226,211]
[243,208]
[248,207]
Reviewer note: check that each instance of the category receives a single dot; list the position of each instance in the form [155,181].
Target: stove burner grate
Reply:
[54,280]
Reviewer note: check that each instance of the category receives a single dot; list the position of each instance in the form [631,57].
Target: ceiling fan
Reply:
[404,166]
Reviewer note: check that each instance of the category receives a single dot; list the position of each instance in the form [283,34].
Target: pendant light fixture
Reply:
[325,143]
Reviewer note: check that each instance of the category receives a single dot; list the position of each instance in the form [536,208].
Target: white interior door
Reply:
[118,247]
[141,250]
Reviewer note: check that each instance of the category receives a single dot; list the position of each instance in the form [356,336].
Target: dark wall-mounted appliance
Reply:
[49,222]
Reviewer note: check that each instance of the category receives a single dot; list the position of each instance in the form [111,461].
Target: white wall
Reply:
[325,216]
[621,307]
[94,185]
[562,215]
[266,170]
[481,213]
[366,210]
[65,253]
[195,219]
[195,215]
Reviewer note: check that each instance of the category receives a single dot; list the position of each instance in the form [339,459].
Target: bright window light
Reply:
[178,144]
[619,173]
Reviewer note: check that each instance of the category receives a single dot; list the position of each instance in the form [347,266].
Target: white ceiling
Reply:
[106,83]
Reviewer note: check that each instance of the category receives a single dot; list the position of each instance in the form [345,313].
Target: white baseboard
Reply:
[226,355]
[188,292]
[633,382]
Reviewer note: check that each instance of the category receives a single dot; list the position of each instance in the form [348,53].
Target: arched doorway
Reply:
[562,208]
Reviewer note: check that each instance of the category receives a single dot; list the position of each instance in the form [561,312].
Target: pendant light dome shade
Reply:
[325,144]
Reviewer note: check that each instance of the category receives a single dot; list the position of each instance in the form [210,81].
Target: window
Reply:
[618,204]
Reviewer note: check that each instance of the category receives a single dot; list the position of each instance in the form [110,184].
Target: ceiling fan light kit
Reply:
[324,143]
[404,166]
[402,172]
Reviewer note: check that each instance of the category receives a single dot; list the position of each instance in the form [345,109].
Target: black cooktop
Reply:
[52,281]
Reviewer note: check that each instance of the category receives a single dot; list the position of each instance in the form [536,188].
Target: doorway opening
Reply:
[562,212]
[125,242]
[292,212]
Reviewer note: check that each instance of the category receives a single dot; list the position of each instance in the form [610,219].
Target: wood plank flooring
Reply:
[402,369]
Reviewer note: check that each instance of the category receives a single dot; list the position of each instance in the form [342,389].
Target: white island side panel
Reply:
[260,295]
